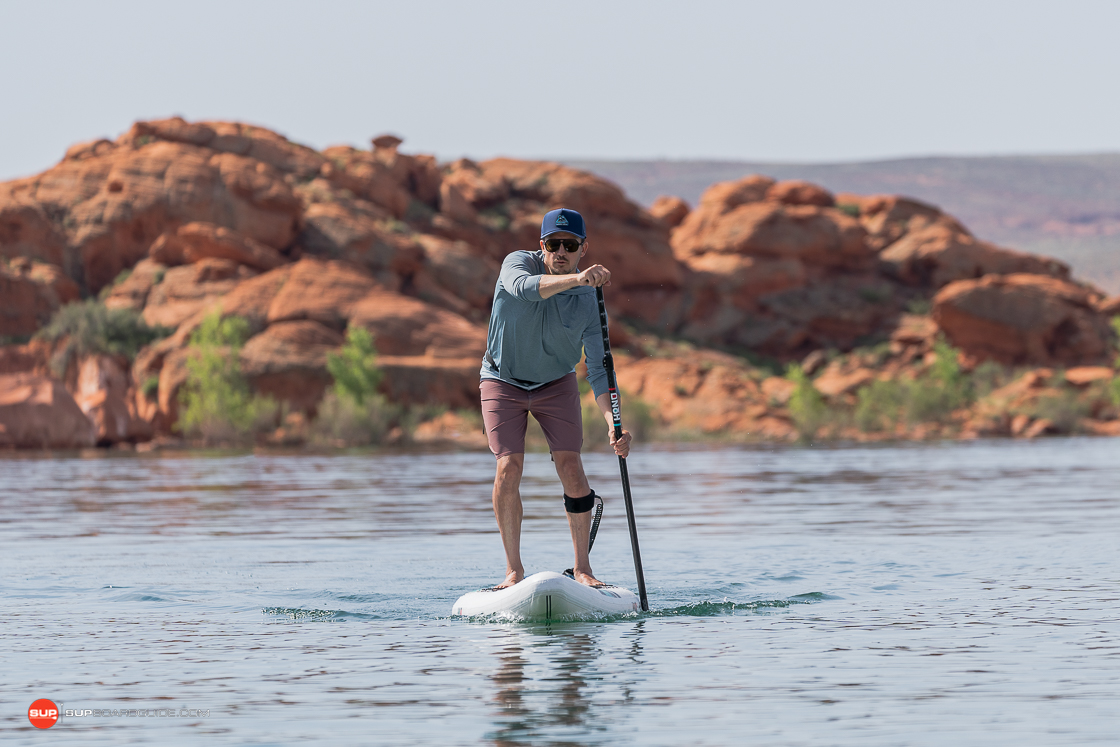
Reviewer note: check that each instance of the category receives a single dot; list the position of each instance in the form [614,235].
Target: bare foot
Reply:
[587,579]
[512,578]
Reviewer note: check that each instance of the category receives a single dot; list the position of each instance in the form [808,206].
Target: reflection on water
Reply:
[915,595]
[549,687]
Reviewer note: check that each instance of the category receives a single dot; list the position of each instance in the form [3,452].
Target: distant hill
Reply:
[1062,206]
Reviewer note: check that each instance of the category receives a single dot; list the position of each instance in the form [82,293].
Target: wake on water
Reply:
[706,608]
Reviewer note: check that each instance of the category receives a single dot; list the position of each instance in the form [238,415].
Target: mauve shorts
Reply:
[556,406]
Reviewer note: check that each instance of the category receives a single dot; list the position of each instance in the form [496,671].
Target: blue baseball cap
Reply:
[563,219]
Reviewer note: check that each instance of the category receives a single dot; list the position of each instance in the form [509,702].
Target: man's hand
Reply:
[595,276]
[621,445]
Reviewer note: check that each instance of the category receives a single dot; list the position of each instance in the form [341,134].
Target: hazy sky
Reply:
[803,81]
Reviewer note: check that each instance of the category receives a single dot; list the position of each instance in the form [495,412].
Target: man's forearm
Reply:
[553,284]
[604,402]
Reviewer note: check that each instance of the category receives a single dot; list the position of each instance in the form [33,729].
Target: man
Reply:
[545,315]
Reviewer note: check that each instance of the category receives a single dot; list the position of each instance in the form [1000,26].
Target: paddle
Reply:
[612,386]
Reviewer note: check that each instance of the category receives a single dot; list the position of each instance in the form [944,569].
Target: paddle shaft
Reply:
[612,386]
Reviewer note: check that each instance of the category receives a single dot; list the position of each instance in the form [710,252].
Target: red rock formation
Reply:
[132,292]
[404,326]
[708,393]
[218,216]
[796,192]
[887,218]
[324,292]
[1024,318]
[1083,376]
[103,395]
[937,254]
[30,292]
[777,269]
[808,233]
[198,240]
[38,412]
[107,203]
[184,291]
[289,362]
[670,210]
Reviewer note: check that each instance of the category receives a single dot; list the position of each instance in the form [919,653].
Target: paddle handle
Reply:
[616,412]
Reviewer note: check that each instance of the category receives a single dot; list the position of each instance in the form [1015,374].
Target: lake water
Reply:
[910,595]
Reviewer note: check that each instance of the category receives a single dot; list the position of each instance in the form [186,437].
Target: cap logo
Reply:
[561,220]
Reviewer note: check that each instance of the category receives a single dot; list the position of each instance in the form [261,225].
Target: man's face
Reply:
[561,261]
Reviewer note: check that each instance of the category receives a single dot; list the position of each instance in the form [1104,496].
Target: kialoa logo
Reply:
[561,220]
[43,713]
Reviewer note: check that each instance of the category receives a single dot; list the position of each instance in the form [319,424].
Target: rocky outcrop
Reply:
[776,267]
[183,291]
[196,241]
[38,412]
[177,220]
[30,292]
[298,313]
[937,254]
[1024,318]
[324,292]
[670,210]
[103,393]
[98,211]
[744,218]
[288,361]
[705,394]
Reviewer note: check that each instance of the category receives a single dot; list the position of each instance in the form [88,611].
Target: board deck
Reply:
[548,596]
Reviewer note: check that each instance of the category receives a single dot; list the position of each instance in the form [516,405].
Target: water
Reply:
[915,595]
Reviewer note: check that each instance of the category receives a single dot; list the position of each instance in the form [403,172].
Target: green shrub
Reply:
[807,407]
[91,328]
[122,276]
[353,413]
[849,208]
[217,404]
[14,339]
[150,386]
[1064,410]
[354,367]
[343,421]
[1116,327]
[879,405]
[1114,390]
[637,417]
[876,295]
[987,377]
[496,218]
[919,306]
[932,397]
[943,389]
[418,211]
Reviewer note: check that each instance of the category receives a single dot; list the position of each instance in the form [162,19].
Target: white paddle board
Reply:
[548,596]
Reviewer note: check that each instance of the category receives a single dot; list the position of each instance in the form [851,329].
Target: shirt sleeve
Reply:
[593,349]
[519,277]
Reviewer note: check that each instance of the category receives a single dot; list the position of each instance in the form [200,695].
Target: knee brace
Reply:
[579,505]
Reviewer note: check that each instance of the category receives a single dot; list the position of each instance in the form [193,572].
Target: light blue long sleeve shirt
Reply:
[532,340]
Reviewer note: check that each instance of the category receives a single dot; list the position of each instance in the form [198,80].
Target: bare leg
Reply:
[569,467]
[508,511]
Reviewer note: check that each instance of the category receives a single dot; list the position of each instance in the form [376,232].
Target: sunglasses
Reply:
[570,245]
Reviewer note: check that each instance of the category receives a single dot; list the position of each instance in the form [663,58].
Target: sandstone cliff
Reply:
[176,220]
